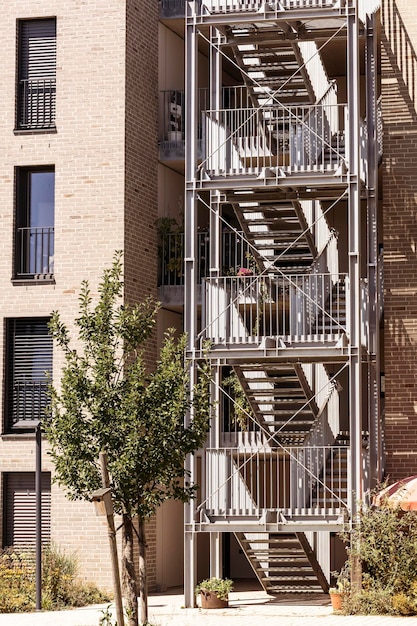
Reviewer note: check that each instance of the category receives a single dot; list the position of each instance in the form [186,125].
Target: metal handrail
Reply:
[35,251]
[36,103]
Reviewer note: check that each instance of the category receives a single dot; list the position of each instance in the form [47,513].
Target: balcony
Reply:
[267,483]
[171,9]
[172,118]
[36,104]
[235,252]
[232,6]
[275,141]
[288,311]
[34,252]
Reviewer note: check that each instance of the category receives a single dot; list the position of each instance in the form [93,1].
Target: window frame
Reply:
[26,381]
[35,109]
[32,264]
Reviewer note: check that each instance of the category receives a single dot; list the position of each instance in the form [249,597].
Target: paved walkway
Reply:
[247,608]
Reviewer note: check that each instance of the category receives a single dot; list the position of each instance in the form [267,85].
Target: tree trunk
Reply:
[129,580]
[143,588]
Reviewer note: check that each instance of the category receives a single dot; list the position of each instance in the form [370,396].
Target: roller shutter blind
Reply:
[29,347]
[20,508]
[37,74]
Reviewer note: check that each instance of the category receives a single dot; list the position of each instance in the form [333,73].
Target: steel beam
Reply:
[190,278]
[375,438]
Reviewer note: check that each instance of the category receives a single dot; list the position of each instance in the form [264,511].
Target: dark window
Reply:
[20,508]
[36,74]
[29,362]
[35,196]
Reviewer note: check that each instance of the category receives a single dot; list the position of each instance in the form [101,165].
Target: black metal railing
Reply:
[171,8]
[235,255]
[36,104]
[34,251]
[29,401]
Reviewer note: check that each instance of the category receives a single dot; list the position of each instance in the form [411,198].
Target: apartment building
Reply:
[78,136]
[233,151]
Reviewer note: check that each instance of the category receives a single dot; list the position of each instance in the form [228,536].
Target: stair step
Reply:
[290,589]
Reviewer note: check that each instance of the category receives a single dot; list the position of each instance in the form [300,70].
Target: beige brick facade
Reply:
[105,157]
[399,102]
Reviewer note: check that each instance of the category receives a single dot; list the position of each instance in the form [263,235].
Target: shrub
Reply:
[385,541]
[17,585]
[61,586]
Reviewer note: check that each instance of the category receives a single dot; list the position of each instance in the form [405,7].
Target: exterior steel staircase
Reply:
[281,400]
[283,562]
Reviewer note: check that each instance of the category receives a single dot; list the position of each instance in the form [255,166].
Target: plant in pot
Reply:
[214,592]
[342,589]
[336,598]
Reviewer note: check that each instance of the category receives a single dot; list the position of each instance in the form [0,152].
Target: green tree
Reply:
[108,401]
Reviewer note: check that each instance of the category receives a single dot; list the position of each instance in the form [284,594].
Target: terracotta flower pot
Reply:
[209,600]
[336,600]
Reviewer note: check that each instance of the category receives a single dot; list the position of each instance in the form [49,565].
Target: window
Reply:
[35,197]
[28,364]
[36,74]
[20,508]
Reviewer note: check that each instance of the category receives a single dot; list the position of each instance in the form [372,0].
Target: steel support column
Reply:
[354,263]
[216,555]
[190,278]
[375,443]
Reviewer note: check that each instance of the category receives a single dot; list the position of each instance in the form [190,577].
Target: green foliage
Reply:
[221,587]
[241,411]
[385,541]
[17,583]
[60,585]
[108,402]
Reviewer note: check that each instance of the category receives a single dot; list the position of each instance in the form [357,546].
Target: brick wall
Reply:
[104,153]
[399,101]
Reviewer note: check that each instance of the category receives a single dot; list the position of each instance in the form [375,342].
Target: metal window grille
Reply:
[29,362]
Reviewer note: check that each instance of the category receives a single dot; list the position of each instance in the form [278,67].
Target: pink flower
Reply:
[245,271]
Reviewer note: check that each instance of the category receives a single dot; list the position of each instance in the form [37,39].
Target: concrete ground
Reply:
[247,608]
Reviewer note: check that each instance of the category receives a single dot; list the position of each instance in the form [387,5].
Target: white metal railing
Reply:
[297,138]
[292,479]
[234,6]
[243,309]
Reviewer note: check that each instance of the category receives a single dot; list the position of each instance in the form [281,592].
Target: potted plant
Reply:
[214,592]
[336,598]
[342,588]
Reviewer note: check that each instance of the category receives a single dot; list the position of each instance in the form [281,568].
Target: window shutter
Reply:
[20,508]
[30,360]
[37,73]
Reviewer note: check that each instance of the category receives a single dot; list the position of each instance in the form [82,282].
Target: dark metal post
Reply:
[38,492]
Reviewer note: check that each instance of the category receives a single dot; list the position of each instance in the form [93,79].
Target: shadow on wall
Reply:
[399,104]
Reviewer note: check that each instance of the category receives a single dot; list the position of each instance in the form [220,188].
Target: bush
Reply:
[61,586]
[385,541]
[17,584]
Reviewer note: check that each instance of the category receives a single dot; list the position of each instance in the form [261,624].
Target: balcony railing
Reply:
[172,110]
[171,8]
[249,481]
[29,401]
[244,309]
[34,252]
[234,6]
[235,251]
[36,104]
[294,139]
